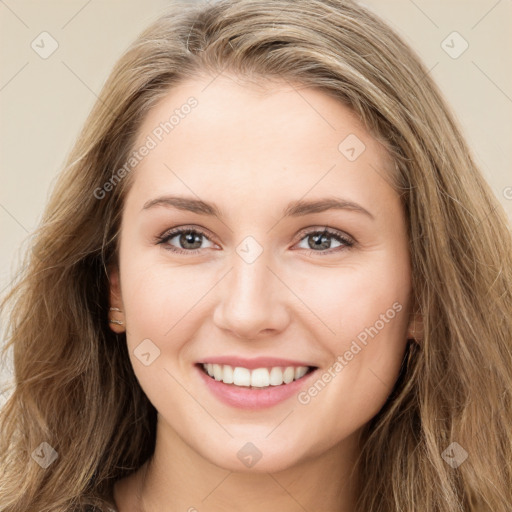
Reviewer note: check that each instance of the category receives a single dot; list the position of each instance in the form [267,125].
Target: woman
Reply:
[270,277]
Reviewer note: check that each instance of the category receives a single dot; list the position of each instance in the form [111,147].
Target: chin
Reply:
[258,456]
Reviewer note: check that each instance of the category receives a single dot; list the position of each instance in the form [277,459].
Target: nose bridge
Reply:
[250,281]
[250,300]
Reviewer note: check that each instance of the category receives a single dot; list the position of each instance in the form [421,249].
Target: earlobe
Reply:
[116,311]
[415,328]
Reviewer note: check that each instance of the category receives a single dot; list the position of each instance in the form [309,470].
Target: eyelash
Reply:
[164,238]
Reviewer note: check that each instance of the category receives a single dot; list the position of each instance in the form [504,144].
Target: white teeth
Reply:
[217,371]
[276,376]
[241,376]
[227,374]
[288,374]
[300,371]
[258,378]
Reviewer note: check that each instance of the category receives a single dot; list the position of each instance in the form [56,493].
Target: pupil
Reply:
[187,239]
[321,241]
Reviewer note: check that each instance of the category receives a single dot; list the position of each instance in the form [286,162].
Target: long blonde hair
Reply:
[74,387]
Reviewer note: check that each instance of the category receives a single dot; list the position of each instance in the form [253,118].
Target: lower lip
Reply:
[252,398]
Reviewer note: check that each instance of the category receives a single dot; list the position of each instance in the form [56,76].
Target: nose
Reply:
[252,301]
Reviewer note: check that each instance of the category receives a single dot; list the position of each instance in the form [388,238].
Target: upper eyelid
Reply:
[326,230]
[171,233]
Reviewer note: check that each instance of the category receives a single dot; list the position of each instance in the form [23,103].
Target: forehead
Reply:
[256,136]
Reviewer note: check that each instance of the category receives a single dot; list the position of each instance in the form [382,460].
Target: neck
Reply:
[177,478]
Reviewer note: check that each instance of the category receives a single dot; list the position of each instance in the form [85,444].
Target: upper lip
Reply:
[257,362]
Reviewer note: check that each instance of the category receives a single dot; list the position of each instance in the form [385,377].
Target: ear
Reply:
[415,327]
[116,313]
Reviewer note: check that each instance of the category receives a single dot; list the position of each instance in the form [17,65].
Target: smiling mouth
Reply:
[259,378]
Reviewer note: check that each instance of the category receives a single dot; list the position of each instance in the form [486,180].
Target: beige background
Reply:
[44,102]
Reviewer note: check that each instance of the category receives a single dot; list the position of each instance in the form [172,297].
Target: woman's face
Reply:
[296,257]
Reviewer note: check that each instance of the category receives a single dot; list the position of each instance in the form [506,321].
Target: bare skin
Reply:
[252,151]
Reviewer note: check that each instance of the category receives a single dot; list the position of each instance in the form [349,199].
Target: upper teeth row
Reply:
[259,377]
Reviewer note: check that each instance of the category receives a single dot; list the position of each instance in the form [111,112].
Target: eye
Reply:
[189,240]
[321,241]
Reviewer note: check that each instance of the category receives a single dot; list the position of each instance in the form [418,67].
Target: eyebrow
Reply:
[301,207]
[297,208]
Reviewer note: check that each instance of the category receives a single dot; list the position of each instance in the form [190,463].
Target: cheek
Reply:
[353,387]
[345,300]
[368,307]
[158,303]
[158,299]
[164,304]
